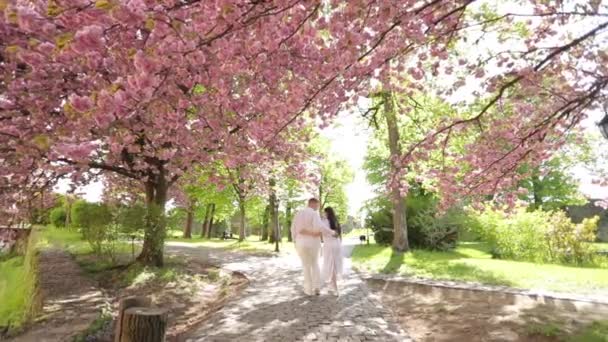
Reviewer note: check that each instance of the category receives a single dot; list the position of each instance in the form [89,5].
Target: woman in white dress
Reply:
[332,251]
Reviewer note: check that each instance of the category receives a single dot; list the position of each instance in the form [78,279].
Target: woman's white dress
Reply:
[332,255]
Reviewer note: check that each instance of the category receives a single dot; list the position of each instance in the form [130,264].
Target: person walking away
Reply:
[306,233]
[332,251]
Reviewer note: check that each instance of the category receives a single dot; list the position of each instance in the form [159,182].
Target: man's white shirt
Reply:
[308,219]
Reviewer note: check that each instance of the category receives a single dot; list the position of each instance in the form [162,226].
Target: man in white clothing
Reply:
[306,233]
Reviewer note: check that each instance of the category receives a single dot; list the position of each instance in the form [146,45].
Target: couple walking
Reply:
[308,230]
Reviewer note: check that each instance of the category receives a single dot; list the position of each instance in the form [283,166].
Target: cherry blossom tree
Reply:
[147,89]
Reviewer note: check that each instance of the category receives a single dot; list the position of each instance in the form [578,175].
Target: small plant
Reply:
[547,330]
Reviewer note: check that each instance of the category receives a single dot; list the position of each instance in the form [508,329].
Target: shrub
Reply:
[539,236]
[57,217]
[425,228]
[93,220]
[131,219]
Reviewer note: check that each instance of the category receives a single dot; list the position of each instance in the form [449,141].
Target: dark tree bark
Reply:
[400,242]
[210,225]
[189,219]
[274,215]
[242,220]
[205,225]
[288,220]
[265,223]
[536,192]
[154,233]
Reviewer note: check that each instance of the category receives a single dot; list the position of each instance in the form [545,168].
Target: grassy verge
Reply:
[473,262]
[18,288]
[594,332]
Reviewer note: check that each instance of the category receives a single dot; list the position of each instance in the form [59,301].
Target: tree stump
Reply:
[127,303]
[143,324]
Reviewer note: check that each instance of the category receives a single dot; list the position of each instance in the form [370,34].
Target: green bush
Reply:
[57,217]
[538,236]
[425,228]
[93,220]
[131,220]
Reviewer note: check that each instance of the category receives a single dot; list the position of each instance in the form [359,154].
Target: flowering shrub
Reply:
[539,236]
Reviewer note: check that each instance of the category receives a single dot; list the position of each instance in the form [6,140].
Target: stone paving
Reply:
[274,308]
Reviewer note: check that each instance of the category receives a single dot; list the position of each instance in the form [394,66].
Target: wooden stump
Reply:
[144,324]
[127,303]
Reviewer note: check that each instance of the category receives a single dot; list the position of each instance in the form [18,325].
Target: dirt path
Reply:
[71,300]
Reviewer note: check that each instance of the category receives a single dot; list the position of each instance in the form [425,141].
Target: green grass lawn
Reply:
[602,246]
[251,244]
[18,280]
[473,262]
[13,295]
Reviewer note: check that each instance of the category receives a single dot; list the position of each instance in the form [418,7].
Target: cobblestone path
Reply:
[274,308]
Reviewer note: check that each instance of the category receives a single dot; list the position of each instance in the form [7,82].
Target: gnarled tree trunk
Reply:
[400,242]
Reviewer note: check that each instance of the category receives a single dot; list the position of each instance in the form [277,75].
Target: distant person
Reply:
[332,251]
[306,233]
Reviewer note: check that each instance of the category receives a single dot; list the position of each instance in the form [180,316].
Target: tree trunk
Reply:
[400,242]
[265,223]
[68,211]
[241,219]
[144,324]
[288,220]
[189,220]
[210,226]
[274,214]
[536,190]
[204,229]
[320,199]
[154,231]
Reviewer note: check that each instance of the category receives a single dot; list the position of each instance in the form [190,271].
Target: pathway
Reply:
[71,300]
[273,307]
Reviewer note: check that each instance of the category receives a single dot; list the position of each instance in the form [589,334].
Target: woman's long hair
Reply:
[333,220]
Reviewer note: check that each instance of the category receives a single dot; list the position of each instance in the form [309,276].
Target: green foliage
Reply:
[537,236]
[57,217]
[93,220]
[551,186]
[131,219]
[103,226]
[335,174]
[596,332]
[426,229]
